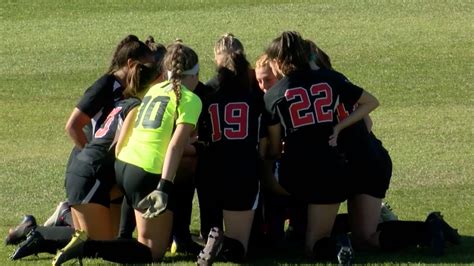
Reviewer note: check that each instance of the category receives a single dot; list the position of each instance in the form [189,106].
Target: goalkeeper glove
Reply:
[156,202]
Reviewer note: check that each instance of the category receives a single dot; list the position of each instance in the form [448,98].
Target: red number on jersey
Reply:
[296,108]
[102,131]
[300,111]
[235,115]
[342,113]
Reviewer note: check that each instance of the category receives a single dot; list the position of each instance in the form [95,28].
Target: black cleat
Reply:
[30,246]
[185,247]
[213,246]
[345,253]
[437,235]
[19,233]
[450,234]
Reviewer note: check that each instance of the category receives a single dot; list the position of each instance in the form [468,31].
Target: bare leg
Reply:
[155,233]
[320,222]
[94,219]
[364,213]
[238,225]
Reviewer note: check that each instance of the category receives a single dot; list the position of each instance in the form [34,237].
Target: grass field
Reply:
[415,56]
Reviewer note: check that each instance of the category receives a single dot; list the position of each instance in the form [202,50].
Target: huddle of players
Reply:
[308,126]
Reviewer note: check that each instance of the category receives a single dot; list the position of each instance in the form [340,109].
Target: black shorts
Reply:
[137,183]
[88,183]
[370,170]
[315,178]
[232,188]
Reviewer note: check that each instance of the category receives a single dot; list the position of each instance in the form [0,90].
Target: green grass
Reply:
[415,56]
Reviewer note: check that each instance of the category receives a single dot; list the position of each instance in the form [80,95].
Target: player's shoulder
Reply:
[213,82]
[277,90]
[104,81]
[129,102]
[189,96]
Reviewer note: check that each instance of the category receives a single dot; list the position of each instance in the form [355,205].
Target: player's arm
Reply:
[76,122]
[366,104]
[368,122]
[190,149]
[174,153]
[126,130]
[273,151]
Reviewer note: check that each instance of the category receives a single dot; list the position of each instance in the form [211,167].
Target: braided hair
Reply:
[178,59]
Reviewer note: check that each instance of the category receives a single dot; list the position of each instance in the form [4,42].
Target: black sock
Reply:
[341,224]
[395,235]
[182,212]
[67,219]
[325,249]
[118,251]
[127,221]
[55,237]
[232,250]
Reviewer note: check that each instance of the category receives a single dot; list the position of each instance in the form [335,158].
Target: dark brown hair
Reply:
[158,50]
[139,78]
[317,55]
[289,51]
[129,47]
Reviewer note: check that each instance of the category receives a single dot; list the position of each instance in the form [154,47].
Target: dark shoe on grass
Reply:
[19,233]
[30,246]
[450,234]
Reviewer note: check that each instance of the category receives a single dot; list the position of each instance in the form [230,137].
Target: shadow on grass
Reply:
[460,254]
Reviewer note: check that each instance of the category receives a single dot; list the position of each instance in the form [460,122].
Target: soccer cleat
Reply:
[437,235]
[386,213]
[345,253]
[56,219]
[21,231]
[30,246]
[73,250]
[450,234]
[213,246]
[187,247]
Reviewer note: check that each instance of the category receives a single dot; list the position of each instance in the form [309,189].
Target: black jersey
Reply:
[305,103]
[102,146]
[230,121]
[98,100]
[355,136]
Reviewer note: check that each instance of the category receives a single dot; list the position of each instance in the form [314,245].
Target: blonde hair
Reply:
[228,43]
[262,61]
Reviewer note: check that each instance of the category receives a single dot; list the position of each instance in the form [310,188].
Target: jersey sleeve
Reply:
[92,100]
[189,109]
[350,92]
[271,99]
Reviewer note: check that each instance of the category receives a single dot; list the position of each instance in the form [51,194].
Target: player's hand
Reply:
[333,137]
[157,201]
[154,204]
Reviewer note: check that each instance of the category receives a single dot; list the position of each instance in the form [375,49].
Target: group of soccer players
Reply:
[292,133]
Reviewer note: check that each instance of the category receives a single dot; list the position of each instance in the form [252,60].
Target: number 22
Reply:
[300,111]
